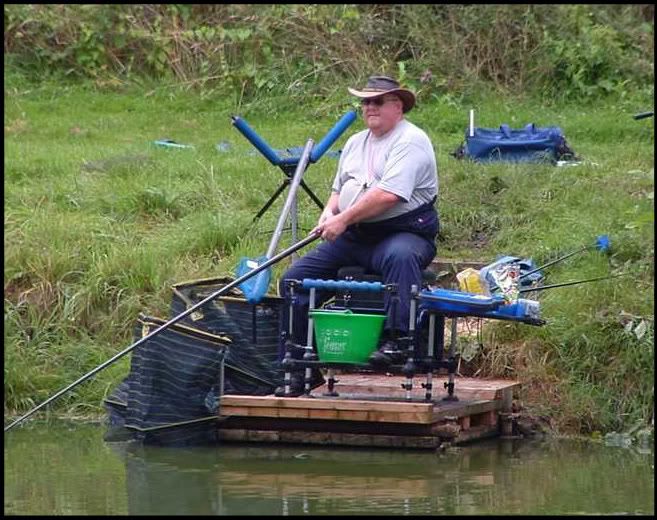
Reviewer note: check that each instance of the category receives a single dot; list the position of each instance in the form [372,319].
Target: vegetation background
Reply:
[99,223]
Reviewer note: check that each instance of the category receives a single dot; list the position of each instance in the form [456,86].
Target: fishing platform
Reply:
[404,405]
[372,411]
[218,375]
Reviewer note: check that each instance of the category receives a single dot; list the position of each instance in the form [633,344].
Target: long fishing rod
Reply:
[542,288]
[601,244]
[287,252]
[643,115]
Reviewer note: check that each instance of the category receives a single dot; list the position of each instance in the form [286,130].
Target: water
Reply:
[57,468]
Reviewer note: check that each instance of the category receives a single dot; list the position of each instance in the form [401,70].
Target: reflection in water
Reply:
[53,473]
[491,477]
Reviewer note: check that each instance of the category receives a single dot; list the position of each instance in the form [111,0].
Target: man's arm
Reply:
[373,203]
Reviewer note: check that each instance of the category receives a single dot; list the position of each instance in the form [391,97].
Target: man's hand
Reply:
[373,203]
[331,228]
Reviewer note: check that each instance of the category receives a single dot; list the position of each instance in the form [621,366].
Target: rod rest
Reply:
[457,303]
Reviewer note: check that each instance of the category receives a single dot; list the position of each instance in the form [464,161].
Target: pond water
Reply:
[60,468]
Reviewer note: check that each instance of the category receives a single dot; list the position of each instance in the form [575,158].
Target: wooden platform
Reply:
[372,410]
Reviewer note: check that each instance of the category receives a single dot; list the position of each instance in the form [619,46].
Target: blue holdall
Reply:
[528,144]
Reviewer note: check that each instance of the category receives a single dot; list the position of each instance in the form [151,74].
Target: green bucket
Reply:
[346,337]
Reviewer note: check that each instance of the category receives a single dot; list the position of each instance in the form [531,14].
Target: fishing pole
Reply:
[601,243]
[283,254]
[543,287]
[643,115]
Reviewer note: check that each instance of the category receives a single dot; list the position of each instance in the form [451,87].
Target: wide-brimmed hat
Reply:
[380,85]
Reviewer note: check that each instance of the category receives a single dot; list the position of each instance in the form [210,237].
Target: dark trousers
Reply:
[399,258]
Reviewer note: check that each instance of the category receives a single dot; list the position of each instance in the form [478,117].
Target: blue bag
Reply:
[528,144]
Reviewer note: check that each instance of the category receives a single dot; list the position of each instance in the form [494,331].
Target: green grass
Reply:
[99,224]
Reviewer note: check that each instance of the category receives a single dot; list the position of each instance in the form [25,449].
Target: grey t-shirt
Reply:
[402,162]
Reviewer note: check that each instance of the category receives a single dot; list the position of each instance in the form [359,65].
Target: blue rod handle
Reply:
[257,141]
[344,285]
[332,136]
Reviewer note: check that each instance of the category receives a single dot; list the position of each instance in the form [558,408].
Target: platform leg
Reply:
[428,386]
[288,362]
[308,376]
[409,367]
[222,375]
[308,355]
[331,384]
[287,377]
[452,365]
[506,420]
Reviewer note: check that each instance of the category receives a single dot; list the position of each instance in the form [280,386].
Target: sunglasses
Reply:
[377,102]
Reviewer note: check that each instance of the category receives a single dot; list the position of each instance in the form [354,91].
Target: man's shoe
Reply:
[379,358]
[297,384]
[295,391]
[317,380]
[385,353]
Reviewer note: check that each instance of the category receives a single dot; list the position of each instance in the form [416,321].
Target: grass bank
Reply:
[99,223]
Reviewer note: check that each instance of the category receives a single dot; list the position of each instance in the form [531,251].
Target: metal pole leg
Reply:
[271,200]
[288,362]
[222,375]
[309,355]
[452,365]
[409,367]
[428,395]
[331,384]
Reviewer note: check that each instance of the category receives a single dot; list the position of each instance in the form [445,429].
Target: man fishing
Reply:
[380,214]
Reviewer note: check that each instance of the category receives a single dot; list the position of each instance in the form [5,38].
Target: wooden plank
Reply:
[421,418]
[322,414]
[350,415]
[266,411]
[241,411]
[291,413]
[467,408]
[316,404]
[330,438]
[338,404]
[322,425]
[335,415]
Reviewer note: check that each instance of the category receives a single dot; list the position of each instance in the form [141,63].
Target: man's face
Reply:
[382,113]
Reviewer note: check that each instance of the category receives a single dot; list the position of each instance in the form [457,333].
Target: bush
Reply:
[298,50]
